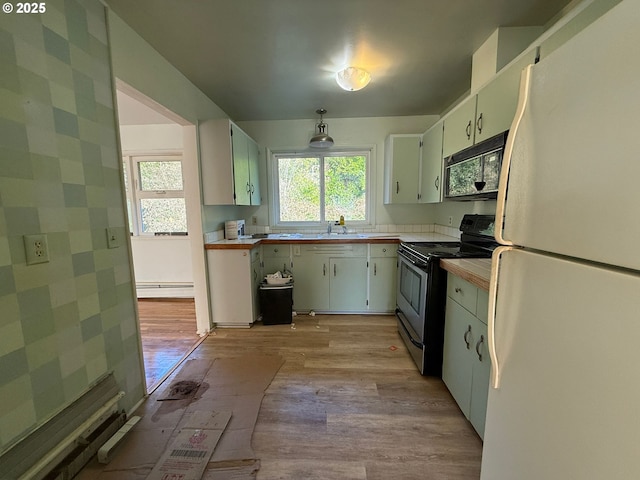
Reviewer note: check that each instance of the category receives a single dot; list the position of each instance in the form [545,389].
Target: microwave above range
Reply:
[473,173]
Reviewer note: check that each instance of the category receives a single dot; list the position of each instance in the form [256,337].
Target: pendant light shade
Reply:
[321,138]
[353,79]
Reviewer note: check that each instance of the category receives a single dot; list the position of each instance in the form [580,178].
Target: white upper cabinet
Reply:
[459,127]
[402,168]
[431,174]
[488,113]
[229,161]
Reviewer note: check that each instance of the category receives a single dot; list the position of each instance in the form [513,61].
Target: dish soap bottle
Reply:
[341,219]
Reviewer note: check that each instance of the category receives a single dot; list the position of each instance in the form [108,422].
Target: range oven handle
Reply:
[406,256]
[417,344]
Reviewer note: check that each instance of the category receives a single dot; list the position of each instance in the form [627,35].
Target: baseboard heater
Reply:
[169,290]
[61,447]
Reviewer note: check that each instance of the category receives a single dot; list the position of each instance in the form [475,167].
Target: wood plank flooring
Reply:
[350,404]
[168,331]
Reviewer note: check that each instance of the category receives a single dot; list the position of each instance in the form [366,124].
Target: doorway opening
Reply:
[159,169]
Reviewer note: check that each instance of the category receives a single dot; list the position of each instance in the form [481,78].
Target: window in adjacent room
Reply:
[312,189]
[155,194]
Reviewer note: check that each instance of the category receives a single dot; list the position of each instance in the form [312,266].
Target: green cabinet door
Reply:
[402,165]
[311,283]
[382,285]
[431,181]
[239,141]
[348,285]
[459,127]
[481,371]
[253,154]
[497,101]
[458,353]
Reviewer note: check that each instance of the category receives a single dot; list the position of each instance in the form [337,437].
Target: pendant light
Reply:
[321,138]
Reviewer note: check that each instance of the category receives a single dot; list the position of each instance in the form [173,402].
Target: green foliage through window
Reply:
[322,188]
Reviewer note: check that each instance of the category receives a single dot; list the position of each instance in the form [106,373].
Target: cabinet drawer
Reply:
[275,251]
[384,250]
[335,249]
[462,292]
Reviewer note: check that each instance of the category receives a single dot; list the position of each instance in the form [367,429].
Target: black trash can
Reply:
[276,303]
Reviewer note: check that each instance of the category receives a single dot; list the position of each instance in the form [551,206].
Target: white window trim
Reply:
[274,205]
[135,194]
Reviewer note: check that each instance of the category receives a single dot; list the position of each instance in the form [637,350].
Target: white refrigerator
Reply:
[564,326]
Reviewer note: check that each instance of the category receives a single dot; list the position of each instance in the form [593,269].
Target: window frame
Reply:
[342,152]
[135,194]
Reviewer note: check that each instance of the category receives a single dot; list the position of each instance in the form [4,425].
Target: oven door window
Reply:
[410,287]
[412,295]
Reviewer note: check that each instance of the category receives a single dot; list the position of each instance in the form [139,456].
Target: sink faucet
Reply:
[328,227]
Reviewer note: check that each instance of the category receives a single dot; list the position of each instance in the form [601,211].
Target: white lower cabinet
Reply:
[466,366]
[234,276]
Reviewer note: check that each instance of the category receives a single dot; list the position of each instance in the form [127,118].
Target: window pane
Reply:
[163,175]
[345,187]
[299,184]
[163,215]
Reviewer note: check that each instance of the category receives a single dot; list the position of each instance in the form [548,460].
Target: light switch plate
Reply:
[114,239]
[36,248]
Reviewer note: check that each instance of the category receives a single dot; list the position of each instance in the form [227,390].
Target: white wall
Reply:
[158,260]
[139,66]
[347,132]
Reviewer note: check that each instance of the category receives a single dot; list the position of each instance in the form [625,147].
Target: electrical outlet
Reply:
[36,249]
[254,220]
[450,221]
[113,239]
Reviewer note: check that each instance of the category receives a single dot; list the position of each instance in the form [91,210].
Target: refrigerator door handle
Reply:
[523,100]
[491,324]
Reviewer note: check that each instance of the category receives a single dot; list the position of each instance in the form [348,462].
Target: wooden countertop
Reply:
[474,270]
[249,243]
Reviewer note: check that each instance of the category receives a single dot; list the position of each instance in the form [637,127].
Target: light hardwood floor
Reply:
[168,331]
[350,404]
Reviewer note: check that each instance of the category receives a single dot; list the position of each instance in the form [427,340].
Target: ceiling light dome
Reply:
[321,138]
[353,79]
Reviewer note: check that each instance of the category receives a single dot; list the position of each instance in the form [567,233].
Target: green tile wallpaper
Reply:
[66,323]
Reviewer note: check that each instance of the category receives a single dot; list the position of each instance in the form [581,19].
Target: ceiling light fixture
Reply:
[321,138]
[353,79]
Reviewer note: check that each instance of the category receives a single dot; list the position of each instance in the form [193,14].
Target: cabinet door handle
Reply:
[480,342]
[397,188]
[252,189]
[458,290]
[375,269]
[468,130]
[248,188]
[466,339]
[275,250]
[324,269]
[334,269]
[479,124]
[437,182]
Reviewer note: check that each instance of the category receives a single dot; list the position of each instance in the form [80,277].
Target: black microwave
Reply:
[474,173]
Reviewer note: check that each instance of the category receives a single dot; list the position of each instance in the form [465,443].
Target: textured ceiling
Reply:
[276,59]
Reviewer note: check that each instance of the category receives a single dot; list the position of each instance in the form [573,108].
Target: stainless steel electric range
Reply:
[422,286]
